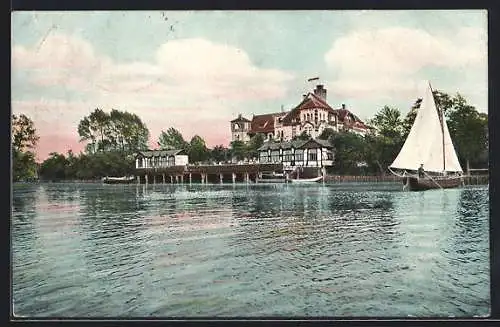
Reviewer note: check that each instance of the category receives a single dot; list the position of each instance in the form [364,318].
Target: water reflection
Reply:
[248,250]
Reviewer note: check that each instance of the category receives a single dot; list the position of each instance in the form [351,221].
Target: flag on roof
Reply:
[313,79]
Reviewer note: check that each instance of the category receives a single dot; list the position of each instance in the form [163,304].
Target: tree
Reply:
[303,136]
[468,130]
[197,151]
[255,143]
[172,140]
[23,133]
[219,153]
[327,134]
[24,140]
[116,131]
[349,151]
[93,128]
[54,167]
[388,122]
[238,150]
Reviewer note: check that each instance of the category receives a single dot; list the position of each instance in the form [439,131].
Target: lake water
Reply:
[91,250]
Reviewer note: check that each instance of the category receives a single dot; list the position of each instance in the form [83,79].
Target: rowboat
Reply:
[118,180]
[305,180]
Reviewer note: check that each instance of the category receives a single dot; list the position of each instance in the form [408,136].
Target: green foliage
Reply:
[24,167]
[23,133]
[172,140]
[24,139]
[327,134]
[86,166]
[350,150]
[219,153]
[238,150]
[198,151]
[116,131]
[303,136]
[388,122]
[252,148]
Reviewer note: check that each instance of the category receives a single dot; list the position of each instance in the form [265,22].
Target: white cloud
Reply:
[387,62]
[189,79]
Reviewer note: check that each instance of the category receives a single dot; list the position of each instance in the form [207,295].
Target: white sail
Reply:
[450,155]
[424,144]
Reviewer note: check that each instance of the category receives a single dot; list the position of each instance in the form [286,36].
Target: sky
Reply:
[197,70]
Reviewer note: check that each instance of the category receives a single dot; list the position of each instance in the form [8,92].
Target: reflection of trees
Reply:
[111,219]
[24,198]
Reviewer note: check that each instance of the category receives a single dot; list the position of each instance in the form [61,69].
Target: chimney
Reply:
[343,105]
[320,91]
[239,116]
[304,96]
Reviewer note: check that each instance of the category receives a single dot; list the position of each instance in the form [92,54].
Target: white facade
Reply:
[160,159]
[311,153]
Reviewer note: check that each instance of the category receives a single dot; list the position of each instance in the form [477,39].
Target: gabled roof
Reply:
[263,123]
[310,101]
[343,113]
[240,119]
[160,153]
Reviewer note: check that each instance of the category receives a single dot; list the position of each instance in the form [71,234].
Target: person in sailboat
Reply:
[421,171]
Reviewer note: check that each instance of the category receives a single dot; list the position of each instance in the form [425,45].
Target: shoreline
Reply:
[329,179]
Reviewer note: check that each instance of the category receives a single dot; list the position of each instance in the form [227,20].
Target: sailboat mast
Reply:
[441,117]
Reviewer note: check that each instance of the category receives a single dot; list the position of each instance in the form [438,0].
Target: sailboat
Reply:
[428,144]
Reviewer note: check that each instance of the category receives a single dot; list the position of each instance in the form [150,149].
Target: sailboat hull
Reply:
[422,184]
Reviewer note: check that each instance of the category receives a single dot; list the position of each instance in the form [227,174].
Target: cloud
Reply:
[388,61]
[194,83]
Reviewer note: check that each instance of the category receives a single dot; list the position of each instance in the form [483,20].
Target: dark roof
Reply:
[240,119]
[297,144]
[310,101]
[160,153]
[343,113]
[263,123]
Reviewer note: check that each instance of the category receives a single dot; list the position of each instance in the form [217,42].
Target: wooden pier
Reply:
[224,173]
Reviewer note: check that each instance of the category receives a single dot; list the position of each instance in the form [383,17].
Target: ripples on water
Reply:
[249,250]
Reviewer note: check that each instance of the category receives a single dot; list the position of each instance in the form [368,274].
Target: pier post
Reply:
[176,179]
[247,178]
[138,179]
[146,176]
[154,179]
[221,178]
[182,179]
[190,178]
[171,179]
[234,178]
[163,175]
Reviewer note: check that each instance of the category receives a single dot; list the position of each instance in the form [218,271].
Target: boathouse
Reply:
[297,153]
[160,159]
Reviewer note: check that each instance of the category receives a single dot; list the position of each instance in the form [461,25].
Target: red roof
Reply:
[343,113]
[263,123]
[310,101]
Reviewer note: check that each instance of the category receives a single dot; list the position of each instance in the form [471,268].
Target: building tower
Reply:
[240,128]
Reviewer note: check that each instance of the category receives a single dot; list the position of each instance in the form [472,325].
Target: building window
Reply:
[139,162]
[312,156]
[299,155]
[288,155]
[263,157]
[329,156]
[171,161]
[275,156]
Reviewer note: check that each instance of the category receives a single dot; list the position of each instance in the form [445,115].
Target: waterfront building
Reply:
[301,153]
[160,158]
[312,115]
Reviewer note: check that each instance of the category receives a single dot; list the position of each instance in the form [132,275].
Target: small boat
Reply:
[271,178]
[118,180]
[306,180]
[429,146]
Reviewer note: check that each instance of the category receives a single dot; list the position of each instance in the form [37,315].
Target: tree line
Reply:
[113,138]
